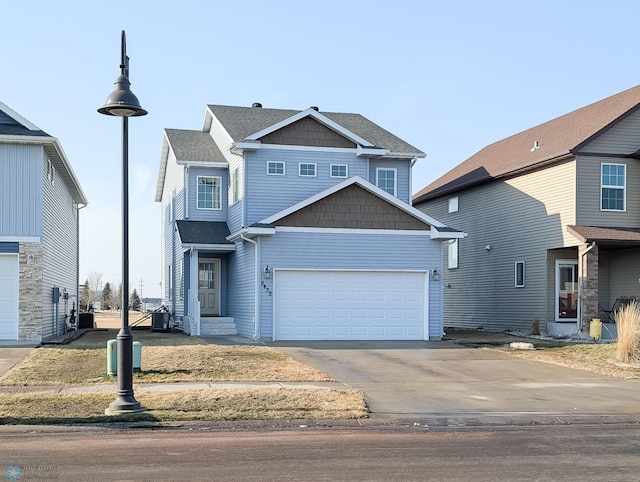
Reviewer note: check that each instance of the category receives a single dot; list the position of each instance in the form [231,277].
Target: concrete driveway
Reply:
[442,379]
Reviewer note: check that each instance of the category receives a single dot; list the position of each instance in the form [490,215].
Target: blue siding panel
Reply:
[351,252]
[9,248]
[268,194]
[195,214]
[241,288]
[403,169]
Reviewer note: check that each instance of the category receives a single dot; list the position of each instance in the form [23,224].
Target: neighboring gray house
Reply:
[39,198]
[292,225]
[553,222]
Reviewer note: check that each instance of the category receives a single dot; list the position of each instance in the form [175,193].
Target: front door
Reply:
[566,290]
[209,286]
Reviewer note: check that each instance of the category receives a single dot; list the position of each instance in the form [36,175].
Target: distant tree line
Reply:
[109,298]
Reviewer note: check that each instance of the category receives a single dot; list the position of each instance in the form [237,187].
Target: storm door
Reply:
[209,286]
[566,290]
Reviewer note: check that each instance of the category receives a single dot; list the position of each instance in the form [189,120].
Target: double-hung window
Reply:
[307,169]
[339,170]
[235,186]
[386,180]
[452,254]
[613,187]
[209,192]
[275,168]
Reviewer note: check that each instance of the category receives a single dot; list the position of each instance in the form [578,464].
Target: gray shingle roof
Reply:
[203,232]
[194,146]
[241,122]
[556,138]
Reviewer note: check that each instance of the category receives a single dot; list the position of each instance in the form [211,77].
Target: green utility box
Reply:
[112,357]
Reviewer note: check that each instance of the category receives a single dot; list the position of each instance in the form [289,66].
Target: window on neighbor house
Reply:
[339,170]
[613,187]
[519,274]
[235,186]
[453,204]
[209,192]
[386,180]
[275,168]
[452,254]
[307,169]
[51,172]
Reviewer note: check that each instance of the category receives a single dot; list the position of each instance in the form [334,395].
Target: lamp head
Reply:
[122,102]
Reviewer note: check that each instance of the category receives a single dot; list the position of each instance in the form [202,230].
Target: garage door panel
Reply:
[8,297]
[364,305]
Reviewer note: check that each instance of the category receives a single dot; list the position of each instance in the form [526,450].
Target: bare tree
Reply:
[95,288]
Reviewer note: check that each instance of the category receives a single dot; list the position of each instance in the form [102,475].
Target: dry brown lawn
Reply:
[170,357]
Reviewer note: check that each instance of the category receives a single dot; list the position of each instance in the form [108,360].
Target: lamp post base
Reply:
[124,404]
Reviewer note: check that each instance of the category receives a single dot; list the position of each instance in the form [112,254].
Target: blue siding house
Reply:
[39,199]
[296,225]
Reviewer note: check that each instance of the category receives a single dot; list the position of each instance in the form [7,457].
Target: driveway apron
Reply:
[410,379]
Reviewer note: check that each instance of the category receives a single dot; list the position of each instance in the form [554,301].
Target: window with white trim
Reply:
[386,180]
[613,187]
[453,204]
[275,168]
[519,274]
[452,254]
[307,169]
[51,172]
[339,170]
[209,192]
[235,186]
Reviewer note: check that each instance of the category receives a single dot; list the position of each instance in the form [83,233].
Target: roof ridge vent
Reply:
[256,105]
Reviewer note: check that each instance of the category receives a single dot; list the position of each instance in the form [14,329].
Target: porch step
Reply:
[217,325]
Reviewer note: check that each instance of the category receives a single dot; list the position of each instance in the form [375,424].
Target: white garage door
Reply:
[8,297]
[350,305]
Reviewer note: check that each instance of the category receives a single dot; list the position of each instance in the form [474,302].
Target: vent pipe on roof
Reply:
[315,107]
[256,105]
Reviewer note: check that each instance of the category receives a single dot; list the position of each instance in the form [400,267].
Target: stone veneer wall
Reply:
[30,295]
[588,272]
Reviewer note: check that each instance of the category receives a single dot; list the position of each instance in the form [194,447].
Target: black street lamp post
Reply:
[123,103]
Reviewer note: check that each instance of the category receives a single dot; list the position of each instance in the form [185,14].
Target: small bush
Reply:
[535,327]
[628,325]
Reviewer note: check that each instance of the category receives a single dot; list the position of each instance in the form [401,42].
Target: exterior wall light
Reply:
[266,274]
[435,276]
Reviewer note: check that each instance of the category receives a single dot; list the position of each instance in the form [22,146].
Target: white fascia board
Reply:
[375,190]
[404,155]
[370,151]
[20,239]
[218,123]
[18,118]
[213,247]
[162,172]
[253,146]
[403,232]
[317,116]
[435,234]
[67,166]
[251,232]
[240,147]
[202,164]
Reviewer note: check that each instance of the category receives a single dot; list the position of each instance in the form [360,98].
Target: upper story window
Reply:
[453,204]
[613,187]
[307,169]
[209,192]
[339,170]
[386,180]
[275,168]
[235,186]
[51,172]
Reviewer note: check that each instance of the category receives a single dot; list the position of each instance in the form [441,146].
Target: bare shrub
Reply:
[628,325]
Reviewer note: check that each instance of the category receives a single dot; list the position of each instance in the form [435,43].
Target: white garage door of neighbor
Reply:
[350,305]
[8,297]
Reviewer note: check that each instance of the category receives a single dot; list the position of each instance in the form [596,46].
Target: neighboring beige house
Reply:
[553,222]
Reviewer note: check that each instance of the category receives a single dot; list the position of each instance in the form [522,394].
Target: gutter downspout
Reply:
[256,314]
[580,309]
[78,264]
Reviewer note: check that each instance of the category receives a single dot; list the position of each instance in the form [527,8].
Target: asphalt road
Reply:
[549,453]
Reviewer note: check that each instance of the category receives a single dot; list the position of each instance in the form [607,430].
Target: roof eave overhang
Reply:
[221,248]
[251,232]
[446,233]
[162,172]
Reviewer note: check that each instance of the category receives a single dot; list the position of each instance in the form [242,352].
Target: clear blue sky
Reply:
[447,76]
